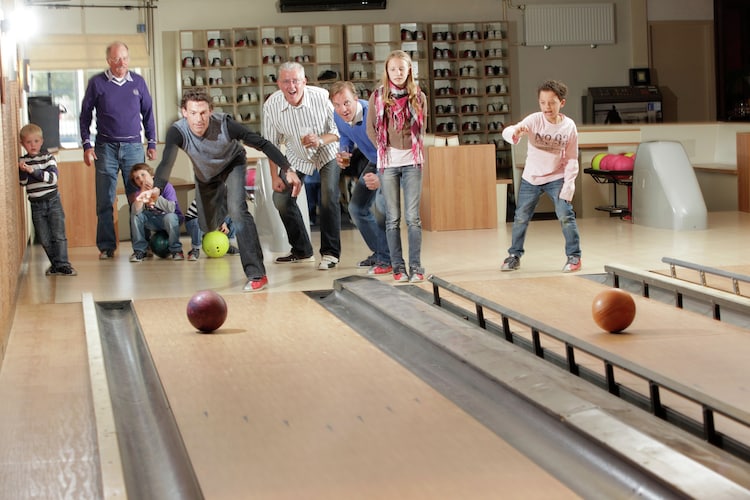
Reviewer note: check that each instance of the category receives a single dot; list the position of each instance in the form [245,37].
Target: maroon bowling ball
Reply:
[207,310]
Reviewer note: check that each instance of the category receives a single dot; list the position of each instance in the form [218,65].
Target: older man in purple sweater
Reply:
[122,103]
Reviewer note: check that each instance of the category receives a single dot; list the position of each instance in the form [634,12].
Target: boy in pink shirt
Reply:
[551,167]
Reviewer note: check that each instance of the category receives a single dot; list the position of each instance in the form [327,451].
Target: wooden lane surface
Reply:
[286,401]
[692,349]
[48,443]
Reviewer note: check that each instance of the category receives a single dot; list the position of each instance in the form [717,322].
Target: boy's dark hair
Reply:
[559,88]
[140,166]
[197,95]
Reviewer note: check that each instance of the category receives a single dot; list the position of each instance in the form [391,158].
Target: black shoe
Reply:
[368,262]
[66,270]
[293,259]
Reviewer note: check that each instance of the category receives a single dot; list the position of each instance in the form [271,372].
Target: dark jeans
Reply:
[229,185]
[49,224]
[330,215]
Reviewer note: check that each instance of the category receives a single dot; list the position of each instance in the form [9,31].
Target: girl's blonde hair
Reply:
[411,86]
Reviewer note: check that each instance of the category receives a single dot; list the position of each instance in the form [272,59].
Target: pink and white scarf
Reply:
[401,113]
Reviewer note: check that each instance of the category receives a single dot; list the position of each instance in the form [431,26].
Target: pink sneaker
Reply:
[401,277]
[256,285]
[380,269]
[416,278]
[573,264]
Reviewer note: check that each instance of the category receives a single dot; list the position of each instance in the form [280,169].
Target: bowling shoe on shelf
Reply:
[573,264]
[511,263]
[255,285]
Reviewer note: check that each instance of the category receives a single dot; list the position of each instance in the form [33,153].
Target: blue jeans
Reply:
[528,197]
[111,158]
[226,193]
[367,210]
[49,225]
[330,215]
[393,180]
[154,221]
[193,228]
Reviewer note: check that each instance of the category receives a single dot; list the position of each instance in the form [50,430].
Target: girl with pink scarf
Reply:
[396,125]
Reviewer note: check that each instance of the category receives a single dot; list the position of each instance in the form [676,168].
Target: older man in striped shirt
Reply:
[301,118]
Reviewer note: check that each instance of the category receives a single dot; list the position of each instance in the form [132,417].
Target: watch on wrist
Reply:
[321,143]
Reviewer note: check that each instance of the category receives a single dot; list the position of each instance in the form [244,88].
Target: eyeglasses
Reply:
[293,82]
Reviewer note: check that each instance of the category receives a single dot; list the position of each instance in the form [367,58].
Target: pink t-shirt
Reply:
[552,151]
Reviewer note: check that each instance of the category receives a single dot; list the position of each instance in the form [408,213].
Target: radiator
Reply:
[571,24]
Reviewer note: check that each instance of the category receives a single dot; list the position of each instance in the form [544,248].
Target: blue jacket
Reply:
[356,134]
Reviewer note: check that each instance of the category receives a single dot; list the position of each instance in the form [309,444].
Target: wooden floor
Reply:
[47,441]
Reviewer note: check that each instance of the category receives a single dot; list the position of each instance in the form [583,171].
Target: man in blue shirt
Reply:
[123,104]
[366,206]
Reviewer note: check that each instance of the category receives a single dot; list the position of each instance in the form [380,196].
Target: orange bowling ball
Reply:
[613,310]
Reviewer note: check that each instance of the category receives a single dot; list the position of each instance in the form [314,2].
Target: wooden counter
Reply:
[459,188]
[77,186]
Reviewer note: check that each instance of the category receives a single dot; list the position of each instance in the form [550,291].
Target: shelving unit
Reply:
[317,48]
[462,67]
[225,63]
[368,46]
[238,67]
[470,86]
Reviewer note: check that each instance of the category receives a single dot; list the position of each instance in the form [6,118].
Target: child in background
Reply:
[154,213]
[37,171]
[551,168]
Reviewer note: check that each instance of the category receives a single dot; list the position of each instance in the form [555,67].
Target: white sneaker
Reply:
[327,262]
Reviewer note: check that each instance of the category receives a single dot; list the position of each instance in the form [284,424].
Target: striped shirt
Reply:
[283,124]
[42,183]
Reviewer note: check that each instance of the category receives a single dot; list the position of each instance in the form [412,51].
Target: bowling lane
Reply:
[695,350]
[712,280]
[286,401]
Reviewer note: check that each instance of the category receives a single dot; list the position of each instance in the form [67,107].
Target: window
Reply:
[66,88]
